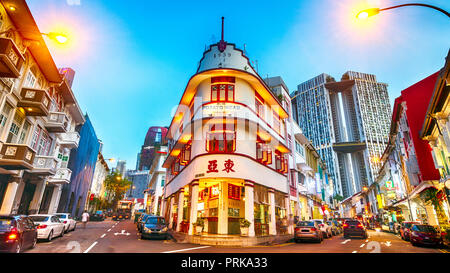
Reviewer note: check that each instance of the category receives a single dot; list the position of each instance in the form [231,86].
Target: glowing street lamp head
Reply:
[59,37]
[364,14]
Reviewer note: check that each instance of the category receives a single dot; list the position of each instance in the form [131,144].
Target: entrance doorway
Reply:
[27,196]
[46,199]
[3,187]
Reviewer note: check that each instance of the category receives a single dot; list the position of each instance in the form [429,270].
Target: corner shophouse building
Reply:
[38,114]
[227,155]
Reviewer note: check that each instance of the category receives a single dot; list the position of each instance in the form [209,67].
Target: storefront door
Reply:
[27,196]
[46,199]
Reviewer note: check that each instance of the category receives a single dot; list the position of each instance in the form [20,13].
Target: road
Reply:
[121,237]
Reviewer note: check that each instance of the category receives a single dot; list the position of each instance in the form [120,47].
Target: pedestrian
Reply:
[85,218]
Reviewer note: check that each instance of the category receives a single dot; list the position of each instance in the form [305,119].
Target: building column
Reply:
[180,209]
[289,214]
[272,223]
[194,202]
[431,215]
[249,207]
[8,200]
[37,197]
[172,200]
[222,219]
[56,195]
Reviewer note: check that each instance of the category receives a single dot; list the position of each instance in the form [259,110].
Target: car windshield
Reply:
[61,216]
[423,228]
[408,225]
[352,222]
[39,218]
[99,212]
[155,221]
[305,224]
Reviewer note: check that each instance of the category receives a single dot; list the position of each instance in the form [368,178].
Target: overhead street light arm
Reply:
[374,11]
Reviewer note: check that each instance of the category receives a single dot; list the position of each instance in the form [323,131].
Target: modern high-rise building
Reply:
[348,123]
[156,136]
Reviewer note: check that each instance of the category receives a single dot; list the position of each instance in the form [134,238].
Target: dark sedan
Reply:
[141,221]
[154,227]
[354,228]
[308,230]
[425,235]
[97,216]
[17,232]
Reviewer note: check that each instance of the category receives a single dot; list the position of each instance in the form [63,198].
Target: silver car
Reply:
[308,230]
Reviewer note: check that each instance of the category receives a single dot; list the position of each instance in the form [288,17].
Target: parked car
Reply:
[308,230]
[154,226]
[48,226]
[137,214]
[109,213]
[335,229]
[97,216]
[354,228]
[324,227]
[425,235]
[141,221]
[17,232]
[69,223]
[405,230]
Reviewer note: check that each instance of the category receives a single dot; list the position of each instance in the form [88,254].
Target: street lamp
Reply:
[374,11]
[60,38]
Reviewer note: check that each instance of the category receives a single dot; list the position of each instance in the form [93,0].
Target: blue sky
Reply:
[133,58]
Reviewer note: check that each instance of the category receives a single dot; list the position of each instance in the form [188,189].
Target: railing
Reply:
[11,59]
[35,102]
[62,175]
[16,157]
[56,122]
[44,164]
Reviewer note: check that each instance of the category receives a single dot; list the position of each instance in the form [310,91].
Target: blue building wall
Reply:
[82,163]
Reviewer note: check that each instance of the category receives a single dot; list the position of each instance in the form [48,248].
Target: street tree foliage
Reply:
[116,186]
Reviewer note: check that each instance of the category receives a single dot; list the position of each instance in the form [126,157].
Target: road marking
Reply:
[186,249]
[346,241]
[109,230]
[362,245]
[367,241]
[103,235]
[87,250]
[122,233]
[388,243]
[355,251]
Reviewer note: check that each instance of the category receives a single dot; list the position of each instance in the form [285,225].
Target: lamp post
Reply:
[374,11]
[55,36]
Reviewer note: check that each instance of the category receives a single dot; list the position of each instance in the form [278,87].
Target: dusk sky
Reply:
[133,58]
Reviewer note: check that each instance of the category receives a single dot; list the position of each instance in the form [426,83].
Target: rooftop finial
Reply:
[222,43]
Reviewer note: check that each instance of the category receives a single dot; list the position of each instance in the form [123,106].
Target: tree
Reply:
[116,186]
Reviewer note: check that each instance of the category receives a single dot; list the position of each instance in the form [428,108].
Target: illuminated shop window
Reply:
[221,138]
[222,89]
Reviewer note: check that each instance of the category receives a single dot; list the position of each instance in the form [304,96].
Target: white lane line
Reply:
[103,235]
[362,245]
[355,251]
[367,241]
[109,230]
[87,250]
[186,249]
[346,241]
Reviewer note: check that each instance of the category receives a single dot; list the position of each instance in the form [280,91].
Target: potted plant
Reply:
[244,224]
[199,224]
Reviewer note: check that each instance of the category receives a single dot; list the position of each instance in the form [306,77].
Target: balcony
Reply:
[69,140]
[35,102]
[11,59]
[62,176]
[16,157]
[56,122]
[44,165]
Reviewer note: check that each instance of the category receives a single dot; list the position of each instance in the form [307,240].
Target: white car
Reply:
[69,223]
[48,226]
[324,227]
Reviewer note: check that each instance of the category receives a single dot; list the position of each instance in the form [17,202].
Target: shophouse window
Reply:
[16,125]
[41,142]
[24,133]
[185,155]
[222,89]
[276,122]
[221,138]
[259,105]
[280,162]
[30,80]
[263,152]
[4,117]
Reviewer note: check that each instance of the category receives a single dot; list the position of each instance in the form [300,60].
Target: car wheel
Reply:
[62,233]
[74,227]
[18,247]
[33,245]
[50,236]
